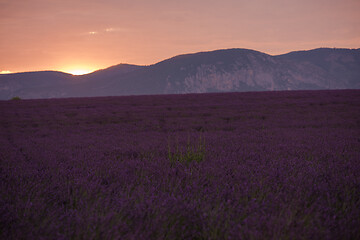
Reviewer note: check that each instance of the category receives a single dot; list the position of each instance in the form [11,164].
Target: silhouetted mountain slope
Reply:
[43,84]
[217,71]
[341,67]
[113,71]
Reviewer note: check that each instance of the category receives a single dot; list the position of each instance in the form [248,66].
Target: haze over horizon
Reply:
[78,36]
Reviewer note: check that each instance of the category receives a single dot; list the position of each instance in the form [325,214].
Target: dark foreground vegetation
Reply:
[269,165]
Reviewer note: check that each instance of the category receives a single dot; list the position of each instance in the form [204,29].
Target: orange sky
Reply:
[85,35]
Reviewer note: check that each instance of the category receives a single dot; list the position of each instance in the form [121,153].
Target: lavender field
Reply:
[265,165]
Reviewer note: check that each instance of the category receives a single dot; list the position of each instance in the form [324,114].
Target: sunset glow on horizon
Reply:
[41,35]
[78,71]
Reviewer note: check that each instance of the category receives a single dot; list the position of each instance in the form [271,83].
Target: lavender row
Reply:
[269,165]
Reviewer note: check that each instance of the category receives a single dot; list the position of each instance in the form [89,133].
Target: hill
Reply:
[230,70]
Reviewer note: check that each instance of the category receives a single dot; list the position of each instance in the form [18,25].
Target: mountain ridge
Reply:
[223,70]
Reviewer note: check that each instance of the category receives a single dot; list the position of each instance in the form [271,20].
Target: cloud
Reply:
[111,29]
[106,30]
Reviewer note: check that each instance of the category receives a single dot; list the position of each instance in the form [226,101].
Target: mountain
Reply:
[44,84]
[334,68]
[216,71]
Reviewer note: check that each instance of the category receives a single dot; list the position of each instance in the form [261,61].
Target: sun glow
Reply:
[79,71]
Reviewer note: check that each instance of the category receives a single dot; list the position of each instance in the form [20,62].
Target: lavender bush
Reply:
[269,165]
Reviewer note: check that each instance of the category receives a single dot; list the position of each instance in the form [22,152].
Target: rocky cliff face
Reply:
[254,71]
[218,71]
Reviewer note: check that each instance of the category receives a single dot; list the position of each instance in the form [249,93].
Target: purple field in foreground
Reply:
[265,165]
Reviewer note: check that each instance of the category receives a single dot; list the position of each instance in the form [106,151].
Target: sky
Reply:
[79,36]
